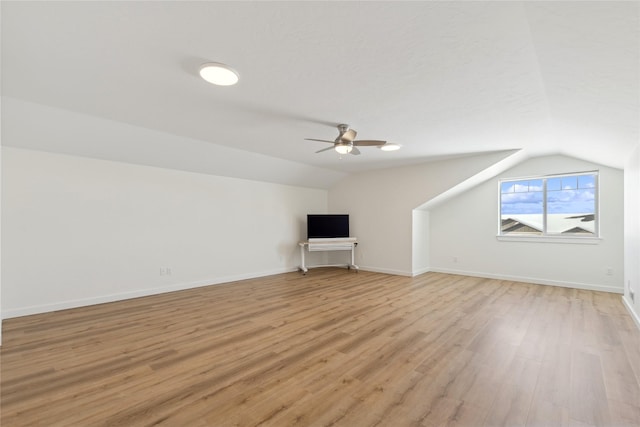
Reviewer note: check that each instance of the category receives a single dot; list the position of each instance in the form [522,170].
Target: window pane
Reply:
[535,185]
[554,184]
[522,203]
[569,182]
[530,224]
[571,201]
[587,181]
[520,186]
[522,210]
[506,187]
[572,209]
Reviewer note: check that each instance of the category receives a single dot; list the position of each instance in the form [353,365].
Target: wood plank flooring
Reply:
[332,348]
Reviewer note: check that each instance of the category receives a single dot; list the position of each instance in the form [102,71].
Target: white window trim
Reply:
[551,238]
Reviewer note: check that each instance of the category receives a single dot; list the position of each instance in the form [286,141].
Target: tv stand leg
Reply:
[353,258]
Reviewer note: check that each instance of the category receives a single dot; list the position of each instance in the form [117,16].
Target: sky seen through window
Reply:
[565,194]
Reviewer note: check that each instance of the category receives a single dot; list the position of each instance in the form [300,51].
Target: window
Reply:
[554,205]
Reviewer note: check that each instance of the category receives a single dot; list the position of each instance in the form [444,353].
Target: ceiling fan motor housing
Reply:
[346,134]
[343,128]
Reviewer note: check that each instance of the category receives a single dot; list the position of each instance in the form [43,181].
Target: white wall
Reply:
[632,232]
[78,231]
[1,133]
[463,235]
[420,237]
[380,205]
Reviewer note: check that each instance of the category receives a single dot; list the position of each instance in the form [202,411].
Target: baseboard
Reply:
[386,271]
[64,305]
[534,280]
[634,315]
[420,271]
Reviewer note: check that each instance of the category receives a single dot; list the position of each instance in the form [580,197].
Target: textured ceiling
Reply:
[439,78]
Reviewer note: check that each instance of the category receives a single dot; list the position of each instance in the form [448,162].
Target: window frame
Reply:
[545,236]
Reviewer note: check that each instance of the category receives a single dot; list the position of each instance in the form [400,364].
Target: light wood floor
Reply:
[333,348]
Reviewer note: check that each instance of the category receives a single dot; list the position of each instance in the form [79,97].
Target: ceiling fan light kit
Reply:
[346,143]
[219,74]
[344,148]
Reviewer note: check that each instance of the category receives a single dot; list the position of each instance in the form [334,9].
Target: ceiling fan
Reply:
[345,143]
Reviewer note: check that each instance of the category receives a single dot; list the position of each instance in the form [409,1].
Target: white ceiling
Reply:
[439,78]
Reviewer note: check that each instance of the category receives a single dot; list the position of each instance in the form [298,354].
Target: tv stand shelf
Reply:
[328,245]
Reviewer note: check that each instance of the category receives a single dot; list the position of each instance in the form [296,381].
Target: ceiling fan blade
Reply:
[369,143]
[349,135]
[324,149]
[355,151]
[320,140]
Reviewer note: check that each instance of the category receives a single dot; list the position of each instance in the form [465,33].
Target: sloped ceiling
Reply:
[440,78]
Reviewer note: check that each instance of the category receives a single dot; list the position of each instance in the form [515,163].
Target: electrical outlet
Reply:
[168,271]
[163,271]
[455,259]
[609,271]
[632,295]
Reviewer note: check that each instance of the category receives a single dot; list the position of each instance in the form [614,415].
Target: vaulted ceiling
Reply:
[440,78]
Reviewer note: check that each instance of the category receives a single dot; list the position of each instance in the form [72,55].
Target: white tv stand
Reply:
[328,245]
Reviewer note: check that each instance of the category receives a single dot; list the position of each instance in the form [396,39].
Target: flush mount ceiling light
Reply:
[390,146]
[218,74]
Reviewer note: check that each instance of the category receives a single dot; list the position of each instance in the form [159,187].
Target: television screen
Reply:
[327,226]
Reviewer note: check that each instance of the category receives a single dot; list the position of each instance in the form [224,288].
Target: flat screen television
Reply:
[327,226]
